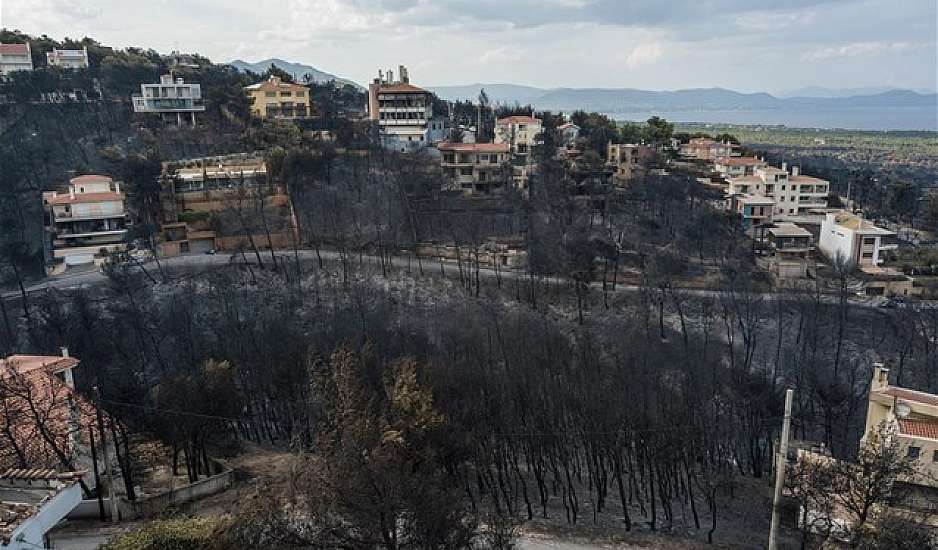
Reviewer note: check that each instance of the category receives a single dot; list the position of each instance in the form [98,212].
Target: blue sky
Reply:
[747,45]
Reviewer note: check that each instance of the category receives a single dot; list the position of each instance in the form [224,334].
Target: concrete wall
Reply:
[32,531]
[156,504]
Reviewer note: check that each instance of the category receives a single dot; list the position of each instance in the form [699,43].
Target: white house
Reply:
[569,132]
[86,219]
[170,96]
[32,502]
[521,133]
[15,57]
[793,194]
[848,236]
[68,59]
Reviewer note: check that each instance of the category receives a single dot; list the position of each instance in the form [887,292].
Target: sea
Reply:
[878,119]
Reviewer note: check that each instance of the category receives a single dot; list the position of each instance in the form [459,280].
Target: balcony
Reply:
[166,105]
[294,111]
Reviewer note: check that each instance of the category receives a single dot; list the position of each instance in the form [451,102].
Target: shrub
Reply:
[173,534]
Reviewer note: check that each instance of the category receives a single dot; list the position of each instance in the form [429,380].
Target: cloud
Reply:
[644,54]
[856,49]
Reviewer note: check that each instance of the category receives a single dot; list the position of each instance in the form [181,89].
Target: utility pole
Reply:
[780,471]
[107,462]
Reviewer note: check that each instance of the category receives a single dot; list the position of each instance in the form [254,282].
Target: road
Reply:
[431,266]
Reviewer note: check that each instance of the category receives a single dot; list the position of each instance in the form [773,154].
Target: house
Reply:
[206,202]
[706,149]
[15,57]
[274,98]
[751,209]
[475,167]
[857,241]
[568,132]
[520,132]
[68,59]
[623,159]
[914,417]
[170,96]
[45,421]
[792,194]
[32,502]
[87,221]
[403,112]
[736,167]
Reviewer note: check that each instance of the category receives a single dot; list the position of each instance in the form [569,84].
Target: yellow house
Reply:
[274,98]
[914,415]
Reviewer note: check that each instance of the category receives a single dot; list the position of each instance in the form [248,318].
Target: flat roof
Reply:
[473,147]
[786,229]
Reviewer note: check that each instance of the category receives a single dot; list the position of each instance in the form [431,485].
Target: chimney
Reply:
[71,192]
[784,167]
[117,187]
[65,352]
[795,170]
[880,377]
[402,73]
[390,76]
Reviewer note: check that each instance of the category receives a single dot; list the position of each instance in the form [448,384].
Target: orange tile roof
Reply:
[14,49]
[518,119]
[918,428]
[474,147]
[739,161]
[90,178]
[42,410]
[911,395]
[402,88]
[67,198]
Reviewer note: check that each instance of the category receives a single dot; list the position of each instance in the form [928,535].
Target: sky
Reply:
[745,45]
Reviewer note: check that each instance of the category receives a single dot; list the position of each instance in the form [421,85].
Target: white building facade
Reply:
[170,96]
[85,220]
[68,59]
[792,194]
[855,240]
[15,57]
[403,112]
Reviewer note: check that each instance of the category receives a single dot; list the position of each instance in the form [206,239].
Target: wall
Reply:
[51,513]
[836,240]
[156,504]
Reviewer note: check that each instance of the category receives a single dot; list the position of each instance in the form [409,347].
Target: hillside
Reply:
[298,70]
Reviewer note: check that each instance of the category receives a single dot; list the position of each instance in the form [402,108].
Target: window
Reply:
[286,94]
[465,171]
[868,255]
[869,240]
[783,188]
[300,93]
[914,452]
[270,94]
[481,176]
[934,456]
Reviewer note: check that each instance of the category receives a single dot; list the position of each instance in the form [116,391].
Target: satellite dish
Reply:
[902,410]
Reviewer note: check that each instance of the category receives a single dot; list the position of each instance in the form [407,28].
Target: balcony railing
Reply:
[166,105]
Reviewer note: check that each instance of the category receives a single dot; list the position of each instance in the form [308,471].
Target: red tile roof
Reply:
[90,178]
[518,119]
[14,49]
[911,395]
[67,198]
[474,147]
[918,428]
[739,161]
[403,88]
[39,408]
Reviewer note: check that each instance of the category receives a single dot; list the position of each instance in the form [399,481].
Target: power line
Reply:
[176,412]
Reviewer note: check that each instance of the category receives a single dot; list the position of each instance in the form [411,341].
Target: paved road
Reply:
[431,266]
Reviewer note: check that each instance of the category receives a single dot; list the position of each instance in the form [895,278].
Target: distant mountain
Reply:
[819,91]
[625,100]
[499,93]
[298,70]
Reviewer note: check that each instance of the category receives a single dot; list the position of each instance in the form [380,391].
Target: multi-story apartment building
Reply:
[521,133]
[793,194]
[15,57]
[706,149]
[86,220]
[274,98]
[857,241]
[913,415]
[170,96]
[68,59]
[737,167]
[568,132]
[403,112]
[622,158]
[475,167]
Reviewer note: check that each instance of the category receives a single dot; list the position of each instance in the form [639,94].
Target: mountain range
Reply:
[621,100]
[298,70]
